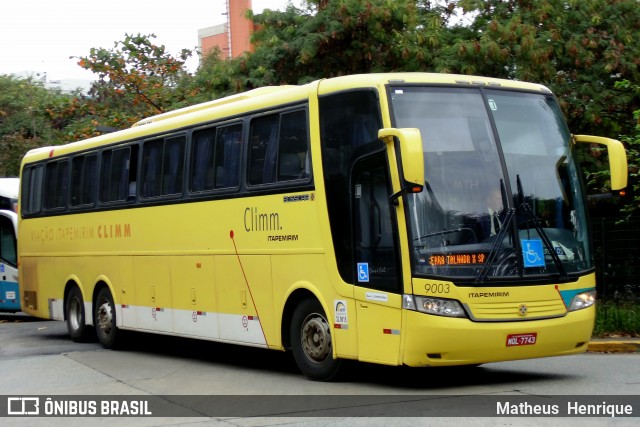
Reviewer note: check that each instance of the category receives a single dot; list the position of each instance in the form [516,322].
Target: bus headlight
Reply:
[431,305]
[583,300]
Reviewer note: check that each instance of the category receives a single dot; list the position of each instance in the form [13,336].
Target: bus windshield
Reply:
[502,196]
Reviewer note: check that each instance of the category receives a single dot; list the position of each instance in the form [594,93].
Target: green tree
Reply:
[632,142]
[331,38]
[579,48]
[215,78]
[24,119]
[136,79]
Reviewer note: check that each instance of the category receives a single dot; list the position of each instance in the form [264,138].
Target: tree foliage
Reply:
[329,38]
[137,77]
[25,121]
[632,142]
[580,48]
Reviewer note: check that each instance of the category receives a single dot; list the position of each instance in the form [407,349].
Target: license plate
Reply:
[521,339]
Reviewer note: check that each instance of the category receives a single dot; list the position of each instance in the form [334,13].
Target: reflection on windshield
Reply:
[473,220]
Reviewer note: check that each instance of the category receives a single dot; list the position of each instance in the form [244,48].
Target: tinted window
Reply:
[32,189]
[278,148]
[56,184]
[216,158]
[347,121]
[163,167]
[116,178]
[7,241]
[84,180]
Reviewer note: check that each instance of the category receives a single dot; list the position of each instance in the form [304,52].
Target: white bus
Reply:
[9,294]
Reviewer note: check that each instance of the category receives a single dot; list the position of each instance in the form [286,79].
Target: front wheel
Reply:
[311,342]
[75,315]
[105,319]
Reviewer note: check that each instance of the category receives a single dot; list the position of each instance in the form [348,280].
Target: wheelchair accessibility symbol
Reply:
[532,253]
[363,272]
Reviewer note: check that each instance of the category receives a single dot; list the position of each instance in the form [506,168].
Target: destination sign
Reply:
[458,259]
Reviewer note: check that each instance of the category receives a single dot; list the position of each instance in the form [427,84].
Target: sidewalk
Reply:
[614,345]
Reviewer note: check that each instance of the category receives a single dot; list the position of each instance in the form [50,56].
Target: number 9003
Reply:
[437,288]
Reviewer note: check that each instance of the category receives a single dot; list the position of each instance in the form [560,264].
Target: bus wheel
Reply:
[311,342]
[74,313]
[105,319]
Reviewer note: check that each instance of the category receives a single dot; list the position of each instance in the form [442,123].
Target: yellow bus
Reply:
[402,219]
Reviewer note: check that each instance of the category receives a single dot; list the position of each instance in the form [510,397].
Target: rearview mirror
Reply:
[412,157]
[617,158]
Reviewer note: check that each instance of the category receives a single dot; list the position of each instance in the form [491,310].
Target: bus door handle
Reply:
[364,305]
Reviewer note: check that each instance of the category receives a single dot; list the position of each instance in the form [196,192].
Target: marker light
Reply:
[431,305]
[583,300]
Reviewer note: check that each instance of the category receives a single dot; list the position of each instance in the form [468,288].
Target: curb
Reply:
[612,346]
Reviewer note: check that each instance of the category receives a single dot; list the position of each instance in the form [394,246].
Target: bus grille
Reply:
[528,310]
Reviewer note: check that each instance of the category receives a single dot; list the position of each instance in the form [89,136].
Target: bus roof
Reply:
[211,104]
[266,97]
[9,187]
[382,79]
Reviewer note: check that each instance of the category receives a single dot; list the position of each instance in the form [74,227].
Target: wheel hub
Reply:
[75,313]
[316,338]
[105,317]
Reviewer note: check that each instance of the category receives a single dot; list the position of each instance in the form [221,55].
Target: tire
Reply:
[105,319]
[311,342]
[75,315]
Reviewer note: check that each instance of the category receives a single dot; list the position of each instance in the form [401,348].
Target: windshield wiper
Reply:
[524,207]
[493,253]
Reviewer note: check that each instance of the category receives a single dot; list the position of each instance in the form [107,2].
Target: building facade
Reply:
[232,37]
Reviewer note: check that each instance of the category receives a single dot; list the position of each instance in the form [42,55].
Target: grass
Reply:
[617,320]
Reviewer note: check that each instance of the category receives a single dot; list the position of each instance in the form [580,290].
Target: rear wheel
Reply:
[311,342]
[75,315]
[105,319]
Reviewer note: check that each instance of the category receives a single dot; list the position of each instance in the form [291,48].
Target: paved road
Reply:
[37,358]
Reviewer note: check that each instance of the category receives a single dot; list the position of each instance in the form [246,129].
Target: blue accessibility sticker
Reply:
[532,253]
[363,272]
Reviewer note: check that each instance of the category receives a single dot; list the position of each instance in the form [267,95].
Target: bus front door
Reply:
[378,289]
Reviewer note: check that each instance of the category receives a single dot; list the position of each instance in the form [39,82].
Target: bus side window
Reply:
[7,241]
[116,174]
[216,158]
[263,149]
[293,150]
[32,189]
[227,156]
[202,155]
[173,165]
[56,183]
[84,180]
[279,148]
[152,168]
